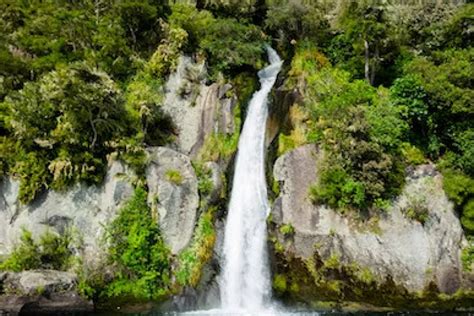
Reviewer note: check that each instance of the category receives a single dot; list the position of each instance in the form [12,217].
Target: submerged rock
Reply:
[391,247]
[41,291]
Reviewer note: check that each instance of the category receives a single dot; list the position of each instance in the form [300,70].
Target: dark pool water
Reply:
[288,313]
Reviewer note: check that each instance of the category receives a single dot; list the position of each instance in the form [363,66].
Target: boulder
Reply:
[41,291]
[411,253]
[196,109]
[176,200]
[87,209]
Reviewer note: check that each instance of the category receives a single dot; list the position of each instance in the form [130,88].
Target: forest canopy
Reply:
[384,85]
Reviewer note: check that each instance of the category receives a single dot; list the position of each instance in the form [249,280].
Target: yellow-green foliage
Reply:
[307,60]
[298,118]
[219,146]
[467,256]
[412,155]
[460,189]
[279,283]
[174,176]
[332,262]
[192,259]
[287,229]
[165,58]
[140,257]
[204,176]
[53,251]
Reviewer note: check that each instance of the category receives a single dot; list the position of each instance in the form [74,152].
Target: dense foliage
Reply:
[52,251]
[138,253]
[381,85]
[391,86]
[82,80]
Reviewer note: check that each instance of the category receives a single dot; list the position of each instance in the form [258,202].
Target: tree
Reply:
[366,36]
[63,123]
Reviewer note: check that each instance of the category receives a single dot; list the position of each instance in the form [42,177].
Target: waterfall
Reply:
[245,282]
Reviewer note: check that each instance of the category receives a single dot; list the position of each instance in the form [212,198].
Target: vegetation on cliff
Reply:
[380,86]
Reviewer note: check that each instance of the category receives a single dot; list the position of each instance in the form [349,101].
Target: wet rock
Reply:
[41,291]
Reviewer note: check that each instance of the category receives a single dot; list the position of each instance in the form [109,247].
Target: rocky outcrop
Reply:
[172,186]
[196,109]
[87,209]
[393,247]
[41,291]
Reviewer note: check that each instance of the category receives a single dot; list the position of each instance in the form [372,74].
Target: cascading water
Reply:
[245,283]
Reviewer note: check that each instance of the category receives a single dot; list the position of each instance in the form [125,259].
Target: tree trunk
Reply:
[375,64]
[367,57]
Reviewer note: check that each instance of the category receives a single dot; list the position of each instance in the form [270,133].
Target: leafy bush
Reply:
[138,252]
[287,229]
[467,256]
[279,283]
[361,133]
[412,155]
[53,251]
[204,176]
[174,176]
[416,209]
[192,259]
[467,218]
[228,43]
[441,101]
[460,189]
[62,125]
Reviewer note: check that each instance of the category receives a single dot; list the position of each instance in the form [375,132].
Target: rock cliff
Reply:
[390,247]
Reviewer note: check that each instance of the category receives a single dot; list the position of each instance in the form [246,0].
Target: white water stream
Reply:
[245,282]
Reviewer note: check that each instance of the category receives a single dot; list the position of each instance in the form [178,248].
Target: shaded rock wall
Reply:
[86,208]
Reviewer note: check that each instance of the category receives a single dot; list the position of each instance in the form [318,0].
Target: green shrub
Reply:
[467,256]
[460,189]
[204,175]
[279,283]
[25,256]
[192,259]
[417,213]
[174,176]
[51,252]
[458,186]
[412,155]
[467,218]
[287,229]
[337,189]
[228,43]
[138,253]
[219,146]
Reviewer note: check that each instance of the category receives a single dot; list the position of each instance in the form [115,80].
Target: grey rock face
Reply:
[177,203]
[87,209]
[197,110]
[41,291]
[413,254]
